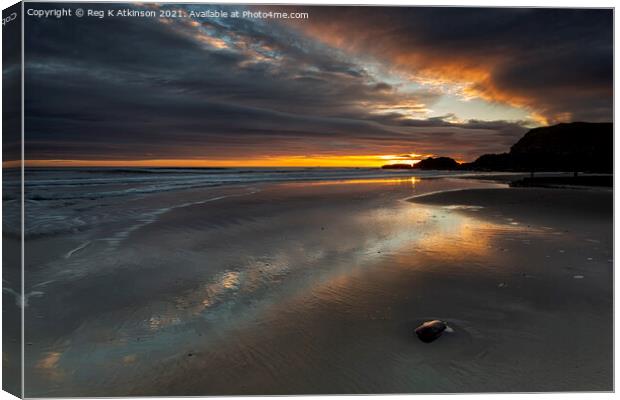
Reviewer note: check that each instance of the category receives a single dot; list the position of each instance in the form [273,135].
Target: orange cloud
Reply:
[460,75]
[511,57]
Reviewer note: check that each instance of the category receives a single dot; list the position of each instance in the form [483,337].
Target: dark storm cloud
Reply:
[556,62]
[123,88]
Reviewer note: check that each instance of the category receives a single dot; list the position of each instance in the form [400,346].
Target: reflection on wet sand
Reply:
[374,181]
[301,288]
[48,366]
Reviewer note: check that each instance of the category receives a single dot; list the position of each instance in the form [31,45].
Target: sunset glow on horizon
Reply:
[291,161]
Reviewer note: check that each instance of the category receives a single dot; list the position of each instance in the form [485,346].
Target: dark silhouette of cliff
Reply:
[397,166]
[439,163]
[577,147]
[491,162]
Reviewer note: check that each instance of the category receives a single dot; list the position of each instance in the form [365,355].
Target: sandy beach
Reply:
[317,287]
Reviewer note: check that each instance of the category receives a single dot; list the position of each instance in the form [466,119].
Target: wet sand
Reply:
[307,288]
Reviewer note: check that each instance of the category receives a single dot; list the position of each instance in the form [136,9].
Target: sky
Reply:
[347,86]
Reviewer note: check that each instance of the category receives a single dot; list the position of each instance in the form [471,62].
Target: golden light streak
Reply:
[408,181]
[275,161]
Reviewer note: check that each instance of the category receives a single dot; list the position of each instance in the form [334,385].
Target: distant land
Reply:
[574,147]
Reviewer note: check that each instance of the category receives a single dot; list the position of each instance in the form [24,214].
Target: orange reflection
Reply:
[48,365]
[130,359]
[408,180]
[459,239]
[411,238]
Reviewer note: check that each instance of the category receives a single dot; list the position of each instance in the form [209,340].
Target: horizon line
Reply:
[374,161]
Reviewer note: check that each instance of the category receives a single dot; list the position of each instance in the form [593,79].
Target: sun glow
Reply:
[267,161]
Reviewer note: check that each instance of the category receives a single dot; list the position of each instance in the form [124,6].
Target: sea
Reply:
[59,200]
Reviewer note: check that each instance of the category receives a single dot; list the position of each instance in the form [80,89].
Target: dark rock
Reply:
[430,330]
[439,163]
[491,162]
[575,147]
[397,166]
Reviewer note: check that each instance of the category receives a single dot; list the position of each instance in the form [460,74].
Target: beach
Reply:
[316,287]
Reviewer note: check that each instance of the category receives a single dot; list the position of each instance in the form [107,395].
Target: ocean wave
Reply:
[70,200]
